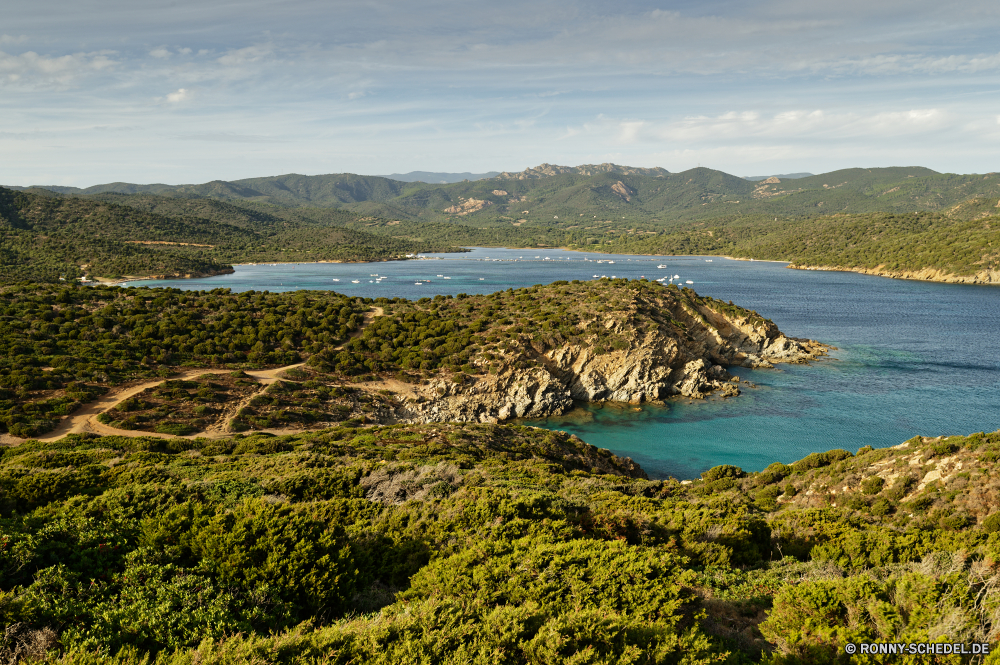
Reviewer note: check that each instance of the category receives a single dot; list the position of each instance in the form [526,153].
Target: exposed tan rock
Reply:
[623,190]
[547,170]
[466,206]
[655,365]
[925,274]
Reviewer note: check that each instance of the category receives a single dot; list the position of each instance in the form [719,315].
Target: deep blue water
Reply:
[913,358]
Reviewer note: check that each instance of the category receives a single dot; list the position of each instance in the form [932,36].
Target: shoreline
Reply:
[983,278]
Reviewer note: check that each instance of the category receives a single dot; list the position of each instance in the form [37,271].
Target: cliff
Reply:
[654,343]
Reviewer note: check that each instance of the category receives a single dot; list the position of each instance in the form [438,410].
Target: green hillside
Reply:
[482,543]
[650,197]
[47,238]
[898,220]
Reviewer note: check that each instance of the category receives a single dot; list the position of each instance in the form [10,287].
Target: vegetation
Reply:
[898,220]
[449,543]
[897,243]
[50,239]
[61,345]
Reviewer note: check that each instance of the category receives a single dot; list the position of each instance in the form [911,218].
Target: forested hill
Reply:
[46,237]
[904,222]
[545,192]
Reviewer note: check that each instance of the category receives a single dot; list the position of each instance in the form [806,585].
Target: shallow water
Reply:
[913,358]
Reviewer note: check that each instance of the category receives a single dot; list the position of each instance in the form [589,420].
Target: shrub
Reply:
[723,471]
[992,523]
[301,560]
[872,485]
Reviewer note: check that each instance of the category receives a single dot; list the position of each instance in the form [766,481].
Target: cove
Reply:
[913,357]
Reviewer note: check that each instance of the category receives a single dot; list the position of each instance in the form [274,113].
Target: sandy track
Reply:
[85,418]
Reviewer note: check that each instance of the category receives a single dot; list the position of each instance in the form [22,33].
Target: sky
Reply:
[187,91]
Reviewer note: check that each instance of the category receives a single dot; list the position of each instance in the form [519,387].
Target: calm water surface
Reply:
[913,358]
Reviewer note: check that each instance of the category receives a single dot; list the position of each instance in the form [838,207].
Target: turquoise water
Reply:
[913,358]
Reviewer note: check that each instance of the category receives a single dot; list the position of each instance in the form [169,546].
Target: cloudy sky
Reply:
[94,91]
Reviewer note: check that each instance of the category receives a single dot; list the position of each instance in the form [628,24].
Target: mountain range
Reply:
[551,192]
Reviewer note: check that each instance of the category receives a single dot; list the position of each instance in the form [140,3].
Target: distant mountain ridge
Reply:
[780,176]
[547,170]
[438,178]
[552,195]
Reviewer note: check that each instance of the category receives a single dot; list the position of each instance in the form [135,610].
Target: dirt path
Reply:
[85,418]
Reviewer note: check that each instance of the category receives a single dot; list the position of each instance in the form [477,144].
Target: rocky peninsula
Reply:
[609,340]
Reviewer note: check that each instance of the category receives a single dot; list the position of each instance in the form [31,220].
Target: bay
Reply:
[913,357]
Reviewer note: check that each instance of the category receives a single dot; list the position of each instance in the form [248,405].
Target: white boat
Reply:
[689,282]
[447,278]
[418,283]
[355,281]
[661,266]
[708,260]
[595,276]
[482,279]
[677,276]
[610,261]
[335,279]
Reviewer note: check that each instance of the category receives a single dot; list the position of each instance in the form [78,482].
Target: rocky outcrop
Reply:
[466,206]
[684,350]
[924,274]
[548,170]
[623,190]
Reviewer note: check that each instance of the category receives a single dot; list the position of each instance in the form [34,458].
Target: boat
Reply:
[447,278]
[677,276]
[355,281]
[661,266]
[482,279]
[335,279]
[708,260]
[418,283]
[689,282]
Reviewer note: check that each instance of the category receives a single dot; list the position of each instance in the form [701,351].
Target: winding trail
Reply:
[84,419]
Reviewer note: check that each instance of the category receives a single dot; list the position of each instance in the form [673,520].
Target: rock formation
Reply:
[683,349]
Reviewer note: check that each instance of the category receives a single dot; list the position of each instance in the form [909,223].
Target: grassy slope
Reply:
[458,544]
[46,237]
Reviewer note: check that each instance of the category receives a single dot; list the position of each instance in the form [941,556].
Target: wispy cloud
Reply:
[226,137]
[32,69]
[181,95]
[446,85]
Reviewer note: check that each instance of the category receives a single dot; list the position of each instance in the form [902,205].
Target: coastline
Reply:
[982,278]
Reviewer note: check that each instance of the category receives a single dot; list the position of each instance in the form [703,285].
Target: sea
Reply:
[912,358]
